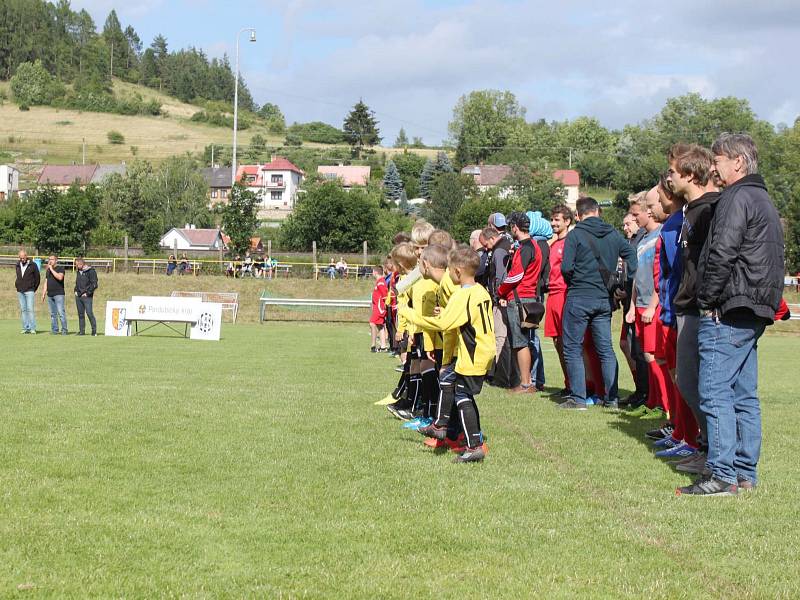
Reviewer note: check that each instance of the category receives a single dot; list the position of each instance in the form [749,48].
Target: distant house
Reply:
[276,183]
[62,177]
[350,176]
[571,180]
[103,171]
[219,183]
[9,181]
[190,238]
[495,176]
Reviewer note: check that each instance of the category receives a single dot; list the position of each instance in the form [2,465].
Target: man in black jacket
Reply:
[740,283]
[27,283]
[85,285]
[690,175]
[589,302]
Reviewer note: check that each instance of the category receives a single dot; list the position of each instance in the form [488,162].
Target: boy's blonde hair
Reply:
[464,258]
[421,232]
[436,256]
[439,237]
[404,256]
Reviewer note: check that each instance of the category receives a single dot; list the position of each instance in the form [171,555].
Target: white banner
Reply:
[116,322]
[157,308]
[209,322]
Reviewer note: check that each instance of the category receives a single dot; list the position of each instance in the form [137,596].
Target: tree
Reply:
[361,129]
[409,166]
[117,45]
[63,222]
[402,139]
[336,219]
[442,164]
[537,189]
[392,183]
[271,113]
[474,213]
[450,191]
[426,179]
[482,122]
[240,218]
[32,85]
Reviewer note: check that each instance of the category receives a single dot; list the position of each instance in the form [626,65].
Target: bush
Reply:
[24,107]
[218,119]
[318,132]
[33,85]
[115,137]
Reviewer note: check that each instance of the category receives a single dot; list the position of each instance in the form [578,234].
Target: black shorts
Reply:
[470,384]
[438,354]
[418,346]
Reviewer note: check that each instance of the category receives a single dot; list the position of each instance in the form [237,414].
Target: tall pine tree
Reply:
[426,179]
[402,139]
[361,129]
[392,184]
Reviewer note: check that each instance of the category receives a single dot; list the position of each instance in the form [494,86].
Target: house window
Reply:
[277,196]
[223,193]
[277,179]
[213,193]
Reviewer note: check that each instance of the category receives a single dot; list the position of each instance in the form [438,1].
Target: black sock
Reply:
[444,408]
[469,422]
[413,398]
[430,392]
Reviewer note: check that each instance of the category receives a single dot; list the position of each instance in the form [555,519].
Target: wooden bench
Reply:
[267,301]
[229,300]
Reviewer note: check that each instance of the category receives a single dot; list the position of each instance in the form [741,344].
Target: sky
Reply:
[411,61]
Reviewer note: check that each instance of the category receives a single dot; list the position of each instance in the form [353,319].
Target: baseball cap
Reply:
[498,219]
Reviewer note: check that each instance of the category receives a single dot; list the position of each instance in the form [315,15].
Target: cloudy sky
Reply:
[411,61]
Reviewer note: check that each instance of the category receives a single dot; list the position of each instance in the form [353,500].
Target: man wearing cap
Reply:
[520,287]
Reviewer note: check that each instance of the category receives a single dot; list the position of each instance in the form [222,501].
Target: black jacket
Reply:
[544,272]
[497,266]
[30,281]
[742,263]
[580,268]
[697,218]
[86,282]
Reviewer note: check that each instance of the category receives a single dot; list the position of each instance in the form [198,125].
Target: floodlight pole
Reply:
[236,100]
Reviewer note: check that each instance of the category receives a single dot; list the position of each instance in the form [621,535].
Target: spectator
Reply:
[518,292]
[740,284]
[230,270]
[341,267]
[561,220]
[85,286]
[247,266]
[332,269]
[541,231]
[27,283]
[53,290]
[184,264]
[476,244]
[498,252]
[591,253]
[172,264]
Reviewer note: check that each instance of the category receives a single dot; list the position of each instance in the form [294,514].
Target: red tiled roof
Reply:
[350,175]
[200,237]
[67,174]
[568,176]
[281,164]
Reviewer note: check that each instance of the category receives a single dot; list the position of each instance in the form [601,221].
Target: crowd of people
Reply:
[29,280]
[698,276]
[263,267]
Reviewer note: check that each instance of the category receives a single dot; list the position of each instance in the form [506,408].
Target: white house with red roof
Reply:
[276,183]
[495,176]
[191,238]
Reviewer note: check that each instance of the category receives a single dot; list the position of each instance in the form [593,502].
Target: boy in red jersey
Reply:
[560,220]
[377,322]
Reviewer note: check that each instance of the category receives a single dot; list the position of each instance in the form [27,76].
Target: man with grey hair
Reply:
[739,288]
[26,284]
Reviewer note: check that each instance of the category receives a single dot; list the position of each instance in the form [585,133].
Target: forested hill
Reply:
[81,59]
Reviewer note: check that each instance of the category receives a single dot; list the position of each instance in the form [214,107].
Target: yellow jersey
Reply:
[423,301]
[468,311]
[449,338]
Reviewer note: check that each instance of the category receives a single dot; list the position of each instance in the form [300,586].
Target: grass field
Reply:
[258,467]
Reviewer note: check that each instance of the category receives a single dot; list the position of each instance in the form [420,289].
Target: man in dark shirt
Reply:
[53,291]
[85,285]
[26,284]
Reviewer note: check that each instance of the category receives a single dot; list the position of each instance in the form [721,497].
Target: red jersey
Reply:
[523,273]
[379,293]
[557,285]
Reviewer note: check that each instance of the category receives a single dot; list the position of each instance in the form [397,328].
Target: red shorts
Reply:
[648,333]
[554,315]
[669,335]
[377,318]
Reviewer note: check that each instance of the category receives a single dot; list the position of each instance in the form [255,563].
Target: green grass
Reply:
[258,467]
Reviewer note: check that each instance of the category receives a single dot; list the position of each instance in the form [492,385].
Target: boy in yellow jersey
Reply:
[406,394]
[469,312]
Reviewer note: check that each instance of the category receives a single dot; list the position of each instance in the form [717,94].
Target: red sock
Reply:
[658,392]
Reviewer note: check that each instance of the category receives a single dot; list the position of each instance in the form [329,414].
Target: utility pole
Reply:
[570,158]
[212,156]
[236,100]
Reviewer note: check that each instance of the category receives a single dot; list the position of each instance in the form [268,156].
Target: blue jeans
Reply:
[537,360]
[580,313]
[57,311]
[728,389]
[27,308]
[84,306]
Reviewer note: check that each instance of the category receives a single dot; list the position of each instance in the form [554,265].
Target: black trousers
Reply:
[84,306]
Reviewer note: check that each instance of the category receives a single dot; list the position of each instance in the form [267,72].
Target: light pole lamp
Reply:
[236,100]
